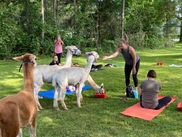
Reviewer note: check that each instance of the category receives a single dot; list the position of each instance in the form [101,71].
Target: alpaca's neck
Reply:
[93,84]
[90,61]
[68,59]
[28,77]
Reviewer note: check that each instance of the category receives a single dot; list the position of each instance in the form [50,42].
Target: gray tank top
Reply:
[127,56]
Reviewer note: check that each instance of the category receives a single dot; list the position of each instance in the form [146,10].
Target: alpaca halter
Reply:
[25,62]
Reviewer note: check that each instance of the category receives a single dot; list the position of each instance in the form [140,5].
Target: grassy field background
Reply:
[101,117]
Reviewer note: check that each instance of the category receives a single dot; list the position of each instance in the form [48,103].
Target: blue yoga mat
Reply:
[50,93]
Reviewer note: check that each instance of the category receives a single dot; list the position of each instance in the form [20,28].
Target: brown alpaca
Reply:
[20,110]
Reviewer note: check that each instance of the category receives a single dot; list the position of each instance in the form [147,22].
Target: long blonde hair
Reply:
[124,40]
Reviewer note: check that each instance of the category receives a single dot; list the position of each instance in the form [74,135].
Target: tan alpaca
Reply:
[18,111]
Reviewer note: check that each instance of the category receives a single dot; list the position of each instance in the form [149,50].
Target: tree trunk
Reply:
[122,21]
[167,29]
[45,8]
[28,18]
[43,21]
[98,23]
[97,34]
[180,36]
[75,11]
[54,4]
[55,15]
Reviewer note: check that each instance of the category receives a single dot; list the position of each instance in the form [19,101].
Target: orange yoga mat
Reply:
[143,113]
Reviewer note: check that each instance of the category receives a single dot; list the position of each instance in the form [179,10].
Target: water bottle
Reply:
[135,92]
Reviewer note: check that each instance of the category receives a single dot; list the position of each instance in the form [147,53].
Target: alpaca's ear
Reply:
[33,58]
[102,85]
[95,54]
[18,58]
[73,48]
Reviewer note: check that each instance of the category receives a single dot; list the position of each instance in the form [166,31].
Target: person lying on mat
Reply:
[149,90]
[96,66]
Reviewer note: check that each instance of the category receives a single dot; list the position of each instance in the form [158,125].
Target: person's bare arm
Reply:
[62,43]
[133,54]
[115,54]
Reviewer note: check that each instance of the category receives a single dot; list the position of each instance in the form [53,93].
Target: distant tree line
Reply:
[32,25]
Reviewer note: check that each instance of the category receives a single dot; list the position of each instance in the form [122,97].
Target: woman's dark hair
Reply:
[151,74]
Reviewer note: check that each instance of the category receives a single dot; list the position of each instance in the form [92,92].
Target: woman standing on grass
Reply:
[132,63]
[58,48]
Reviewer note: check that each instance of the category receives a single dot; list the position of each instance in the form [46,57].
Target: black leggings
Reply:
[162,102]
[127,71]
[59,55]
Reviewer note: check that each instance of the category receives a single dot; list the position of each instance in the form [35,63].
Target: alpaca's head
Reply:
[92,56]
[101,89]
[93,53]
[74,50]
[26,58]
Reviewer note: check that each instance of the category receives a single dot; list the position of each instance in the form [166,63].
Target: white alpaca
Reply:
[44,73]
[74,76]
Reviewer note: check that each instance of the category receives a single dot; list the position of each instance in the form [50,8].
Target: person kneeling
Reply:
[149,90]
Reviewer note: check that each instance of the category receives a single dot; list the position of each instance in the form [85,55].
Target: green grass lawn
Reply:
[101,117]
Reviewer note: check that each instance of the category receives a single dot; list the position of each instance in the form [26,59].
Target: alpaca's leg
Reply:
[0,132]
[79,94]
[20,133]
[10,127]
[36,91]
[32,129]
[62,96]
[55,104]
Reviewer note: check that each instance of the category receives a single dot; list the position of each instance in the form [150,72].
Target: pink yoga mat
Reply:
[143,113]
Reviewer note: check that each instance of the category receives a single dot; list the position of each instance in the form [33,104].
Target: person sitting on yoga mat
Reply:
[149,90]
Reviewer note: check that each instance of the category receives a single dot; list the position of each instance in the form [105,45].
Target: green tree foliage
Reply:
[19,28]
[93,24]
[145,20]
[179,16]
[10,31]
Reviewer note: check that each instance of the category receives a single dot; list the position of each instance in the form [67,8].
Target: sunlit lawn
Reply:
[101,117]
